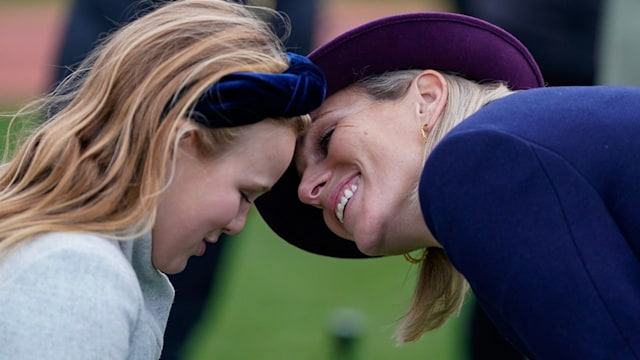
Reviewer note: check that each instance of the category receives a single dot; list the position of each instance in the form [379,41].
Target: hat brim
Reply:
[450,42]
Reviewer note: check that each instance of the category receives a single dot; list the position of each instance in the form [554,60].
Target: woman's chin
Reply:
[375,246]
[370,246]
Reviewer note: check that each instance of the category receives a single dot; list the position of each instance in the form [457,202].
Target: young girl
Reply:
[159,144]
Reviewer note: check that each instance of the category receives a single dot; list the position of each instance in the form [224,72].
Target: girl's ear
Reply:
[186,129]
[433,91]
[187,136]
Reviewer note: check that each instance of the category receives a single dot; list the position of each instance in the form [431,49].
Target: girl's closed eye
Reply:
[245,197]
[252,192]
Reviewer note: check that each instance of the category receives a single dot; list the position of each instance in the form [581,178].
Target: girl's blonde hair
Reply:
[440,289]
[102,155]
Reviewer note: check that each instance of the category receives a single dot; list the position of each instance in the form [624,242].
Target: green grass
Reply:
[6,113]
[277,302]
[21,128]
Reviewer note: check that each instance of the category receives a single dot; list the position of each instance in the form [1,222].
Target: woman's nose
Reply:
[310,188]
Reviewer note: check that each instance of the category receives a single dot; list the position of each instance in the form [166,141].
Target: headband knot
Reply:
[245,98]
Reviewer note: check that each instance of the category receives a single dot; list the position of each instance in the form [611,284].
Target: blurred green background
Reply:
[277,302]
[274,301]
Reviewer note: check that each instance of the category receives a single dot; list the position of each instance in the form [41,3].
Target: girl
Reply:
[159,144]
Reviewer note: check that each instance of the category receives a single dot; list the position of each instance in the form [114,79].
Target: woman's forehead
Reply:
[341,104]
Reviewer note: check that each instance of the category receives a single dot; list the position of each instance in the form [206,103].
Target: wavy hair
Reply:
[440,289]
[103,153]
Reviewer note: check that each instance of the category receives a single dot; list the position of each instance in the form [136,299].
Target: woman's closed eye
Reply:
[325,139]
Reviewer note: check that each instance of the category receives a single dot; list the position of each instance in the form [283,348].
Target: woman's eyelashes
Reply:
[325,139]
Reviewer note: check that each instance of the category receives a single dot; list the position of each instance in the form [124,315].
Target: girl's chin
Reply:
[174,268]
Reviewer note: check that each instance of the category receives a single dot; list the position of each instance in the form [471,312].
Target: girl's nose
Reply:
[237,224]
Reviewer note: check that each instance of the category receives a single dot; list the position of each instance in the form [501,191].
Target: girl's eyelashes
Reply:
[245,197]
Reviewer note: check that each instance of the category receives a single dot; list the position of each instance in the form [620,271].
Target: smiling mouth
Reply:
[346,196]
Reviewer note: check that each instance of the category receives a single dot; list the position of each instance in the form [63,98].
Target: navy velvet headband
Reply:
[244,98]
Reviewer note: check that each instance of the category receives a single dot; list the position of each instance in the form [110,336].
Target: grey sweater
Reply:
[81,296]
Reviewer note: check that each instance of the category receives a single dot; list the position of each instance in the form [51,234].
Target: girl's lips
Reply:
[211,239]
[202,248]
[212,236]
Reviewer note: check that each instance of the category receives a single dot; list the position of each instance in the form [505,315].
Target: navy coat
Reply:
[536,200]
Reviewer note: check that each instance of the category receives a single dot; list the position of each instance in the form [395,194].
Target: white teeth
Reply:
[343,202]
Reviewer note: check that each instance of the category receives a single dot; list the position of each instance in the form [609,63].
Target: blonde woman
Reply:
[159,144]
[438,141]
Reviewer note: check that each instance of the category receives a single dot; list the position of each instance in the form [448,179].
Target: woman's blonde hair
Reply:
[440,289]
[102,155]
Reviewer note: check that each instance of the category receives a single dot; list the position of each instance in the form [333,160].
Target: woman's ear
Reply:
[433,92]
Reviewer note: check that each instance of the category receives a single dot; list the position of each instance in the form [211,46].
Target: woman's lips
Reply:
[341,198]
[344,200]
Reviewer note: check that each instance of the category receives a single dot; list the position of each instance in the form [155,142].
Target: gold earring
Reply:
[423,131]
[411,259]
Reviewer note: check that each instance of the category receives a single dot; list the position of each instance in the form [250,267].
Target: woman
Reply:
[159,144]
[436,138]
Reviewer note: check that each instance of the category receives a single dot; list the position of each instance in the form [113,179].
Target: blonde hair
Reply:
[440,289]
[103,154]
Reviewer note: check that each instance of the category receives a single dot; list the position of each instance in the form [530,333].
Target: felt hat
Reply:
[451,42]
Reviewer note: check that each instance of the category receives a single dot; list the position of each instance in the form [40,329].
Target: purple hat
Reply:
[450,42]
